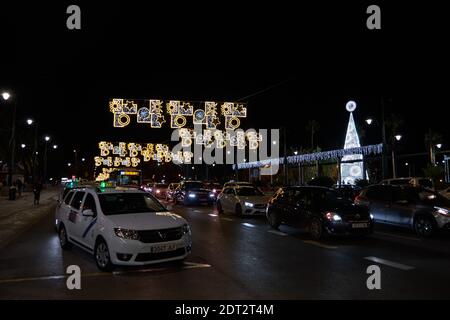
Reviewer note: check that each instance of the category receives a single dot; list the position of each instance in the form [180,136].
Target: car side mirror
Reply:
[88,213]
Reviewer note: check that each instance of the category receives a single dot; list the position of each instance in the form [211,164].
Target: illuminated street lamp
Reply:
[69,164]
[30,122]
[439,145]
[55,146]
[398,137]
[295,152]
[23,146]
[6,95]
[369,121]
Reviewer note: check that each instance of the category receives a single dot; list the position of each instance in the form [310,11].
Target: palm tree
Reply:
[431,139]
[313,127]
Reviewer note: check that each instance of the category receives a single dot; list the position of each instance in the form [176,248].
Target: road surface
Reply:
[236,258]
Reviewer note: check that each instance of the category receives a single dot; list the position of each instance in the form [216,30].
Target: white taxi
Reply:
[121,227]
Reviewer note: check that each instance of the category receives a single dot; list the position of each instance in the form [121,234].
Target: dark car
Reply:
[193,192]
[416,208]
[321,210]
[159,190]
[215,188]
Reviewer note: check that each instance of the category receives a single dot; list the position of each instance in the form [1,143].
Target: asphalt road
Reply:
[236,258]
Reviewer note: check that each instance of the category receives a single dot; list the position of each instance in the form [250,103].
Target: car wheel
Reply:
[102,256]
[63,239]
[238,210]
[219,207]
[424,226]
[316,229]
[274,219]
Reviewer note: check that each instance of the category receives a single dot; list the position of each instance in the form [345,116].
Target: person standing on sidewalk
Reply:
[19,186]
[37,192]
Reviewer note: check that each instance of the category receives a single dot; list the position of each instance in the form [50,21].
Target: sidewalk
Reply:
[18,215]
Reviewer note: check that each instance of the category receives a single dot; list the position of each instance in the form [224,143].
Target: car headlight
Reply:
[186,229]
[442,211]
[371,216]
[126,233]
[191,195]
[248,204]
[331,216]
[211,195]
[158,191]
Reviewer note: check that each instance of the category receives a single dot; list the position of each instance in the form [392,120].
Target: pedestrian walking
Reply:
[37,192]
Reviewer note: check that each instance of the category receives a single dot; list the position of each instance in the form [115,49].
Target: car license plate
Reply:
[359,225]
[163,248]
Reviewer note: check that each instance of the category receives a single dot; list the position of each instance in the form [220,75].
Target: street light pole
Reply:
[34,155]
[397,137]
[47,139]
[383,134]
[285,178]
[12,141]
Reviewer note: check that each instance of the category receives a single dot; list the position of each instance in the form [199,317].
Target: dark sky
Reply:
[322,53]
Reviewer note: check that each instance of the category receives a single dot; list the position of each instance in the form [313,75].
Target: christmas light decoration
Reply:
[152,112]
[131,154]
[317,156]
[350,172]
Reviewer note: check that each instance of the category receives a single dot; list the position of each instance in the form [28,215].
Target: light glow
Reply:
[6,95]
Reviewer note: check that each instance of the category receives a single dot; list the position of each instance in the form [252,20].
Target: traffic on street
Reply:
[223,162]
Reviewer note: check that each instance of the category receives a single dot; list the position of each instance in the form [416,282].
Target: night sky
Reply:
[320,56]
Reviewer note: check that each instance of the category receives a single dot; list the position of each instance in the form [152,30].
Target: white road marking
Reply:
[277,232]
[318,244]
[195,210]
[248,225]
[186,266]
[390,263]
[213,215]
[396,236]
[227,219]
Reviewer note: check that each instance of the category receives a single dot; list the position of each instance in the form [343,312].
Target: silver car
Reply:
[242,200]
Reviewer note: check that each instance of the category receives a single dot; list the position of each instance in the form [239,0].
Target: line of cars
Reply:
[406,202]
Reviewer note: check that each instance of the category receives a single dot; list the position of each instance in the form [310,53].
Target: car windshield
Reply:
[125,203]
[248,192]
[331,198]
[193,185]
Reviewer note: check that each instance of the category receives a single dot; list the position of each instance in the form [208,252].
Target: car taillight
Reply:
[361,198]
